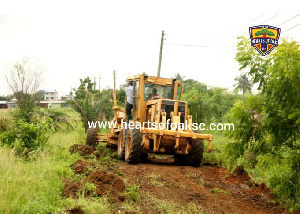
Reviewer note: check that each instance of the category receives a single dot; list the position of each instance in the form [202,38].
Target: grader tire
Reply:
[133,148]
[195,157]
[91,137]
[121,144]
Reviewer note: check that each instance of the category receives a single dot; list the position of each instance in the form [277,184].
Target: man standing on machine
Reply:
[129,104]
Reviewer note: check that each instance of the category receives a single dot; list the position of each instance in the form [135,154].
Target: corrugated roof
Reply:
[52,102]
[49,91]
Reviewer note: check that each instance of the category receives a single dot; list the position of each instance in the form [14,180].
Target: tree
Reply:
[121,95]
[283,96]
[207,104]
[24,80]
[268,124]
[243,83]
[92,104]
[281,80]
[2,97]
[179,77]
[247,57]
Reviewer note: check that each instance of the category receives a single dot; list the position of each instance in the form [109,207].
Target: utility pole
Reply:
[114,91]
[160,52]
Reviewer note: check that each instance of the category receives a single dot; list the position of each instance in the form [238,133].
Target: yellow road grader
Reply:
[160,124]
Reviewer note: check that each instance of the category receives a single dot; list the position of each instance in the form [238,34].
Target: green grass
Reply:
[6,113]
[35,185]
[216,190]
[217,155]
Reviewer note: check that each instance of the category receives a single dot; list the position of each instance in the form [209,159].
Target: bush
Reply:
[27,137]
[281,175]
[60,120]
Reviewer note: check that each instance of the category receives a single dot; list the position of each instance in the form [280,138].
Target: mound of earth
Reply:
[81,167]
[108,185]
[72,189]
[76,210]
[84,150]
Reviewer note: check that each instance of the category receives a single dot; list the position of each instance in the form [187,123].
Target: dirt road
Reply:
[167,188]
[211,188]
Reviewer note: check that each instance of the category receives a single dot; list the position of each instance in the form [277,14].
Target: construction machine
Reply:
[160,124]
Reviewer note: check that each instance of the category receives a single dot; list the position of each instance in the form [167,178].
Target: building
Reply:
[50,95]
[3,104]
[52,104]
[13,103]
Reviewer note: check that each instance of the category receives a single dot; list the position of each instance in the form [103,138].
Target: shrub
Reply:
[27,137]
[60,120]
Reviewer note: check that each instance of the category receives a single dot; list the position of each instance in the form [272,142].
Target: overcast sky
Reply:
[91,38]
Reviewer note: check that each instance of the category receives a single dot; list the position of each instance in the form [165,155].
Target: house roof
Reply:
[50,91]
[52,101]
[3,102]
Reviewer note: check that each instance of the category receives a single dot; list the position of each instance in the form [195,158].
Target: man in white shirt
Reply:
[129,104]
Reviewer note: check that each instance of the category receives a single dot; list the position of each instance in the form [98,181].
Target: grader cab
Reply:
[160,124]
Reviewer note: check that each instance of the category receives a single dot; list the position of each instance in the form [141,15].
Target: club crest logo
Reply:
[264,38]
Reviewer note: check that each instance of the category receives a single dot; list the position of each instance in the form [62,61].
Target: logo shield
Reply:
[264,38]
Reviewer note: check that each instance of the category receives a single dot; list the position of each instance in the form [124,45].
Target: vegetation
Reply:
[267,139]
[207,104]
[92,104]
[243,84]
[35,185]
[24,80]
[27,137]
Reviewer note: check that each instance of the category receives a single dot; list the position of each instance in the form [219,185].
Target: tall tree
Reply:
[24,80]
[247,57]
[179,77]
[243,83]
[92,104]
[268,124]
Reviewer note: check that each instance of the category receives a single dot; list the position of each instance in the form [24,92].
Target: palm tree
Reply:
[243,83]
[179,77]
[92,104]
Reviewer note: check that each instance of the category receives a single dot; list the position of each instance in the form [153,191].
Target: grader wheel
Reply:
[91,137]
[133,148]
[195,157]
[121,144]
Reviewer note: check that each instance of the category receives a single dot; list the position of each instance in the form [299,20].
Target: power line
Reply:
[291,28]
[236,29]
[245,33]
[270,18]
[242,26]
[288,20]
